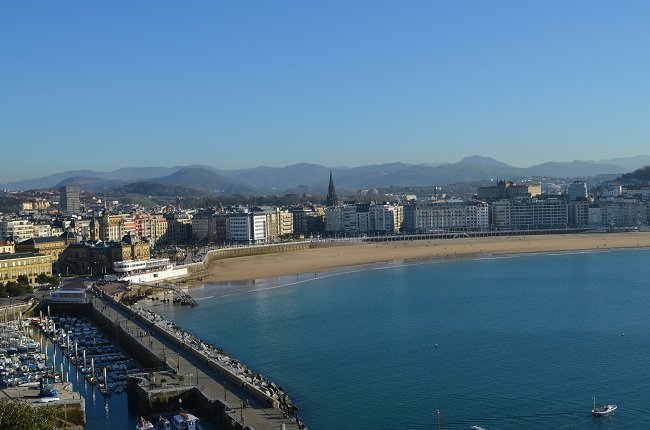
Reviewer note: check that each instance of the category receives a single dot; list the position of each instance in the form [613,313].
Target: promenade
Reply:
[195,372]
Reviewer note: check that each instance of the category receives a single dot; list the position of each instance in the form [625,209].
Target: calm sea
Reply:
[504,343]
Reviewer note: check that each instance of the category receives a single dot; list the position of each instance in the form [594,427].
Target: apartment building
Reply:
[579,213]
[308,220]
[204,225]
[385,218]
[111,228]
[247,227]
[530,214]
[285,223]
[446,215]
[18,229]
[623,212]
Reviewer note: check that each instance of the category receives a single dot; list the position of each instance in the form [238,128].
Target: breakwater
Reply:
[223,363]
[179,373]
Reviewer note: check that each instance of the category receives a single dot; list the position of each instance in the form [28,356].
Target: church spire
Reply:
[332,199]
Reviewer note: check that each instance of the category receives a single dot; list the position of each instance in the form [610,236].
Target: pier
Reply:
[180,375]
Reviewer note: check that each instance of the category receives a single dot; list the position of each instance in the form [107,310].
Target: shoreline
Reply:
[307,264]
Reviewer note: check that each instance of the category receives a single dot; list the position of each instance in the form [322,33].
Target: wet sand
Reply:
[339,257]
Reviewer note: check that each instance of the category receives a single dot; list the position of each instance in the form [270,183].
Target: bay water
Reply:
[504,343]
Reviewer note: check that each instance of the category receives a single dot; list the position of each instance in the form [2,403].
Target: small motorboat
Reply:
[604,410]
[144,425]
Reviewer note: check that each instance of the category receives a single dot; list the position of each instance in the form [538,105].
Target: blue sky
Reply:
[248,83]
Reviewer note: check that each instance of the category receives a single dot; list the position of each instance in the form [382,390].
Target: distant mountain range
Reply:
[313,178]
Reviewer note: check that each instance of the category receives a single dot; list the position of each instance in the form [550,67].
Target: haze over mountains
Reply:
[304,177]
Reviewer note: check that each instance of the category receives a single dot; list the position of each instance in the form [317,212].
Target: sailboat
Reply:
[604,410]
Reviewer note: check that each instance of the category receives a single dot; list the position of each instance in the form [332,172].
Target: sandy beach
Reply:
[338,257]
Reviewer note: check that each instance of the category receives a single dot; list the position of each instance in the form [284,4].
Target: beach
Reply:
[339,256]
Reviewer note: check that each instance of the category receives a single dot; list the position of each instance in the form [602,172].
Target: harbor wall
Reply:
[216,367]
[159,400]
[127,341]
[112,329]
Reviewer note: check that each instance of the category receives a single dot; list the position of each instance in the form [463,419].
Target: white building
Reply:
[43,230]
[334,219]
[623,212]
[346,220]
[530,214]
[247,227]
[385,218]
[21,229]
[259,228]
[446,215]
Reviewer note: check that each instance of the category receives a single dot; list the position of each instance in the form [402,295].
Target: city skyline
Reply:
[93,86]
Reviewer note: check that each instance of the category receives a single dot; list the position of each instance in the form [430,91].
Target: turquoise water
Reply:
[506,343]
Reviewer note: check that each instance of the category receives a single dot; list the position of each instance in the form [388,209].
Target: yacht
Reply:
[604,410]
[185,421]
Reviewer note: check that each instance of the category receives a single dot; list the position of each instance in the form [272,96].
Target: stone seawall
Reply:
[220,254]
[216,367]
[111,325]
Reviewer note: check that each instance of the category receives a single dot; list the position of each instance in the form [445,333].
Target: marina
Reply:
[29,374]
[79,341]
[94,356]
[173,368]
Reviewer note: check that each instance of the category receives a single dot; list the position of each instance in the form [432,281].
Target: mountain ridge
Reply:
[310,176]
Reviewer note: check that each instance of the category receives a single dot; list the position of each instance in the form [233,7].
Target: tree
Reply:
[16,289]
[23,280]
[42,278]
[12,288]
[15,414]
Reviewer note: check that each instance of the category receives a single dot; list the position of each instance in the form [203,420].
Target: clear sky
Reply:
[103,85]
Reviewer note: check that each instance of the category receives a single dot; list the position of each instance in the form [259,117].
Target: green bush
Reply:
[19,415]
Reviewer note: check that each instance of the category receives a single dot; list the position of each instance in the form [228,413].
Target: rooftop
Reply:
[18,255]
[43,239]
